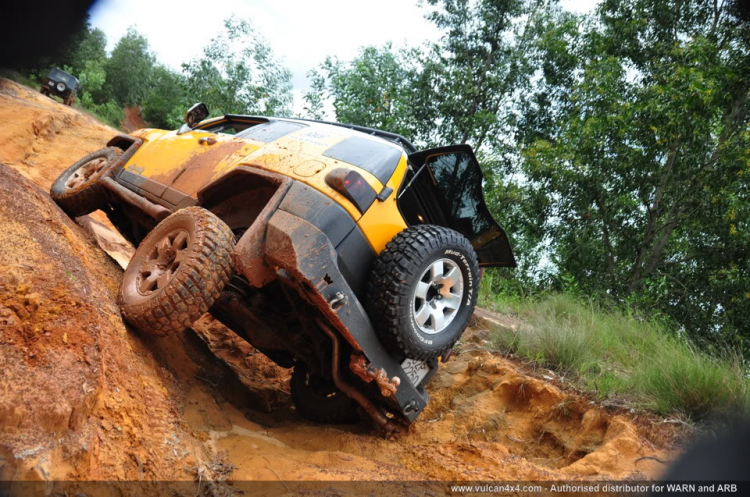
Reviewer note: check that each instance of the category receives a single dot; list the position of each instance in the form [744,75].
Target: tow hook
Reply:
[411,407]
[337,301]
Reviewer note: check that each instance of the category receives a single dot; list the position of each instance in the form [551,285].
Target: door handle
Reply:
[207,140]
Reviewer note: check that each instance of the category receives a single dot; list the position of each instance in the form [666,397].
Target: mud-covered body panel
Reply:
[170,167]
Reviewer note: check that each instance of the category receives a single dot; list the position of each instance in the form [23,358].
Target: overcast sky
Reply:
[301,33]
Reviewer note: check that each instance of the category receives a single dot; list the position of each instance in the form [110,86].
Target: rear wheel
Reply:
[77,190]
[178,272]
[422,291]
[318,399]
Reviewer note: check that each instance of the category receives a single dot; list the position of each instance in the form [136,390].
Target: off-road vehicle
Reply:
[62,84]
[334,249]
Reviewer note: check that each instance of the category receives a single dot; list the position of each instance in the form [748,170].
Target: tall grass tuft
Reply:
[619,354]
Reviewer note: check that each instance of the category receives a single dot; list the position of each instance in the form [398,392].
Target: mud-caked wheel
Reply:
[78,190]
[318,399]
[177,273]
[422,291]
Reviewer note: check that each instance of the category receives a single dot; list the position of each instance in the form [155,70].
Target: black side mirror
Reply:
[196,114]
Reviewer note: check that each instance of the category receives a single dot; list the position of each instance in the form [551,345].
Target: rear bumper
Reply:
[304,255]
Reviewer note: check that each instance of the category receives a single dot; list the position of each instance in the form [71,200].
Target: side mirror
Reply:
[196,114]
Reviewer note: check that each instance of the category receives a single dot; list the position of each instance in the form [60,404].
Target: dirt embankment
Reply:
[83,397]
[133,120]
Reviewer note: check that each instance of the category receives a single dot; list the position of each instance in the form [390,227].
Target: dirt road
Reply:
[82,396]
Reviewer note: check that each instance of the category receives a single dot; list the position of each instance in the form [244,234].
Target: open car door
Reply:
[444,187]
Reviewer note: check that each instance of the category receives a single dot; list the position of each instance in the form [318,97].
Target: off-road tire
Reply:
[392,285]
[319,400]
[89,195]
[193,287]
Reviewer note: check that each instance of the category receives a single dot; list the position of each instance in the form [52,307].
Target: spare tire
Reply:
[178,272]
[422,291]
[77,190]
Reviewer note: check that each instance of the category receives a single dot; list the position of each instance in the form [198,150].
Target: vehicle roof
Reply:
[57,69]
[376,152]
[385,135]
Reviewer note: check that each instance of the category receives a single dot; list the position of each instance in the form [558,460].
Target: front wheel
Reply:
[178,272]
[422,291]
[77,190]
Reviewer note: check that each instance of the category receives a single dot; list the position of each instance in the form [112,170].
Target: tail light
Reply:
[353,186]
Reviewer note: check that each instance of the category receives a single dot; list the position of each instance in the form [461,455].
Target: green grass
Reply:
[621,356]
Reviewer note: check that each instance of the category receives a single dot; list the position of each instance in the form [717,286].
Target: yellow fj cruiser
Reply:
[334,249]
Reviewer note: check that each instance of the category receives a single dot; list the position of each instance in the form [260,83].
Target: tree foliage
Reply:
[374,89]
[165,103]
[238,73]
[129,69]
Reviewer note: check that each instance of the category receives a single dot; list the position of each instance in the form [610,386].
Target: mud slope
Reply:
[80,396]
[40,138]
[84,397]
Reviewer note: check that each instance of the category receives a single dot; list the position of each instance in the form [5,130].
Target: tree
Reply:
[166,102]
[479,66]
[643,174]
[129,70]
[315,97]
[238,73]
[374,89]
[91,47]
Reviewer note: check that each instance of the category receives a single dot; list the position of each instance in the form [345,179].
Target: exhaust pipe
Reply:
[375,413]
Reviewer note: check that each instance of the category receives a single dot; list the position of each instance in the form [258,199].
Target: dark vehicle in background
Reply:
[62,84]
